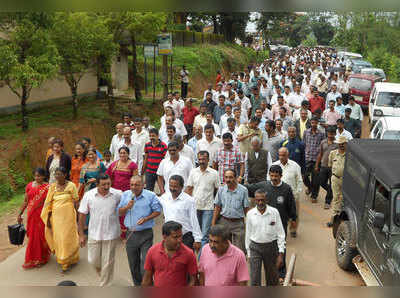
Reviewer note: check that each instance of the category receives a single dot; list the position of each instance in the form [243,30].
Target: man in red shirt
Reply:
[189,113]
[316,102]
[170,262]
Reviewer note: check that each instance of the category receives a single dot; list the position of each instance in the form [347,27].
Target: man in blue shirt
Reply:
[296,148]
[140,207]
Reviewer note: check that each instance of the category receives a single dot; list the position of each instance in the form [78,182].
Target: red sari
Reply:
[37,252]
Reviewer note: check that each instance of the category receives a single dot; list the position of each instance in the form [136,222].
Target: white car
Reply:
[384,101]
[374,71]
[387,128]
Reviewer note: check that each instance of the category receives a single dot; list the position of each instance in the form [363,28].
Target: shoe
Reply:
[313,200]
[329,224]
[308,191]
[327,206]
[293,234]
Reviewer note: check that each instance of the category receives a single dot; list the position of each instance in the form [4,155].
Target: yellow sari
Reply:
[62,237]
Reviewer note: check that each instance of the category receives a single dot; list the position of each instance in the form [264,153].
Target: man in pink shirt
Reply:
[222,263]
[277,106]
[331,115]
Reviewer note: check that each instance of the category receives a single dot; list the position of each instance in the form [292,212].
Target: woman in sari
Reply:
[58,159]
[77,162]
[121,171]
[37,251]
[59,216]
[90,171]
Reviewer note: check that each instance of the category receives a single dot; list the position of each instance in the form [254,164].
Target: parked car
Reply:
[347,55]
[358,64]
[369,224]
[360,86]
[374,71]
[384,101]
[387,128]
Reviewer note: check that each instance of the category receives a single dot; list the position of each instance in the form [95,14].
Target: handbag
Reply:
[16,234]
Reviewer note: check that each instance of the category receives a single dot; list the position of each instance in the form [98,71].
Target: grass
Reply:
[11,205]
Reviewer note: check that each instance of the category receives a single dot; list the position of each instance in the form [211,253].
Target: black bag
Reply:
[16,234]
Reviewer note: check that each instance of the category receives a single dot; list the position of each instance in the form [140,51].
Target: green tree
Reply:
[323,30]
[310,41]
[275,25]
[28,58]
[80,40]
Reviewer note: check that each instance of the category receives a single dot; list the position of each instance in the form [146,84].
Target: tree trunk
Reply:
[215,24]
[110,98]
[24,112]
[138,95]
[74,91]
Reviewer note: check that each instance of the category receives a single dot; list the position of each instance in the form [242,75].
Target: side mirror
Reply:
[379,220]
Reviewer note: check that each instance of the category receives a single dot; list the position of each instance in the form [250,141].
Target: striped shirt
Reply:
[228,159]
[154,156]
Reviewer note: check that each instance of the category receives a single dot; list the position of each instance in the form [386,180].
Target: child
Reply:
[107,158]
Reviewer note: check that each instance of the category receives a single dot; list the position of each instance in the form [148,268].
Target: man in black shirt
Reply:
[280,196]
[352,125]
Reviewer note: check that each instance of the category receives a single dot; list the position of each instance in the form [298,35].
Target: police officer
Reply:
[336,163]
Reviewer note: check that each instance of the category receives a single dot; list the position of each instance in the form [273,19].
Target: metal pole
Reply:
[154,74]
[172,83]
[145,71]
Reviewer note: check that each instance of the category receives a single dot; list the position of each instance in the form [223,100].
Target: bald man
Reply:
[117,138]
[291,174]
[135,149]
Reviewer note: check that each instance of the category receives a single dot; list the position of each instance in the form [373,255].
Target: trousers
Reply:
[137,245]
[205,218]
[313,184]
[101,255]
[150,181]
[337,195]
[263,253]
[325,182]
[297,198]
[237,230]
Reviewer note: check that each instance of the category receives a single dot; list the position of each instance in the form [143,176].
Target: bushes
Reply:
[380,58]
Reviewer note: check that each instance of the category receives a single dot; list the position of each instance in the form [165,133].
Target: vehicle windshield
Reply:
[360,84]
[388,99]
[391,135]
[372,71]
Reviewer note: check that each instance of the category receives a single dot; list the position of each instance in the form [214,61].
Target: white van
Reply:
[387,128]
[384,101]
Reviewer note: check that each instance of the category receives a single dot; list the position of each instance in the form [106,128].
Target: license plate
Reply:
[358,98]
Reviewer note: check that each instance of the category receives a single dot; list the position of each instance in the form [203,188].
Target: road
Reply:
[314,247]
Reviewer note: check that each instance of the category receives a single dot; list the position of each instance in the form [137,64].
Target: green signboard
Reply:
[164,44]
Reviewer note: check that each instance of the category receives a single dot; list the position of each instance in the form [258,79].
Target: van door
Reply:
[371,103]
[375,242]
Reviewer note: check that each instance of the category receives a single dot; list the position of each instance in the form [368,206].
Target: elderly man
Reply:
[174,165]
[184,150]
[202,184]
[231,205]
[228,157]
[180,207]
[135,149]
[257,162]
[305,105]
[291,174]
[219,255]
[139,207]
[286,120]
[295,147]
[265,241]
[117,138]
[198,135]
[170,121]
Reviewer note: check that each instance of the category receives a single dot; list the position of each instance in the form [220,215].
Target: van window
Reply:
[388,99]
[360,84]
[391,135]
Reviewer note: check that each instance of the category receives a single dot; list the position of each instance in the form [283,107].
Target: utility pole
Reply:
[165,76]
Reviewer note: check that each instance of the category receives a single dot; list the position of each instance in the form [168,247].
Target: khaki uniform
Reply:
[336,162]
[244,130]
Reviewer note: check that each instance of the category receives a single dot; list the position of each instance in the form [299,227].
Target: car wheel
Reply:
[344,252]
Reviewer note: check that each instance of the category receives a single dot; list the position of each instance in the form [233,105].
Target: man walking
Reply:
[231,206]
[257,162]
[116,139]
[202,185]
[184,74]
[139,207]
[296,148]
[210,143]
[104,228]
[336,162]
[312,140]
[169,263]
[265,241]
[140,135]
[180,207]
[222,263]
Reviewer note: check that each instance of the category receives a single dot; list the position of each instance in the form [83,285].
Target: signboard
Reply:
[149,51]
[164,44]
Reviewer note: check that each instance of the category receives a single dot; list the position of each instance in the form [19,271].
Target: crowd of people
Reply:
[264,134]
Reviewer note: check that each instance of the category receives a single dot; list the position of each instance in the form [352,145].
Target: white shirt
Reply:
[104,219]
[180,127]
[167,168]
[345,133]
[246,163]
[245,104]
[264,228]
[217,94]
[356,111]
[332,96]
[115,143]
[204,184]
[223,122]
[174,105]
[296,99]
[135,153]
[296,115]
[234,134]
[344,86]
[200,120]
[187,152]
[211,147]
[283,133]
[205,93]
[182,210]
[142,138]
[291,174]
